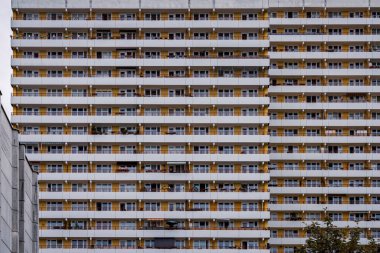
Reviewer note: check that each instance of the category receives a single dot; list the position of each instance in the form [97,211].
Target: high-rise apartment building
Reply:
[149,121]
[19,193]
[324,117]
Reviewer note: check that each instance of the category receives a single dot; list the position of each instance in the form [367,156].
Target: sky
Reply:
[5,54]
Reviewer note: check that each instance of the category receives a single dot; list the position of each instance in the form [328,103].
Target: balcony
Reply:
[343,206]
[150,157]
[325,72]
[326,139]
[141,138]
[324,55]
[251,215]
[324,21]
[117,249]
[119,43]
[160,81]
[326,156]
[121,100]
[324,173]
[324,122]
[346,189]
[243,120]
[160,176]
[323,38]
[220,62]
[140,24]
[283,89]
[343,105]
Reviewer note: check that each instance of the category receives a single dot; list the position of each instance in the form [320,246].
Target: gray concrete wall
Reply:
[18,194]
[6,169]
[28,206]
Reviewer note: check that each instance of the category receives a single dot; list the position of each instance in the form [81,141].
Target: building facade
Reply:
[19,190]
[198,125]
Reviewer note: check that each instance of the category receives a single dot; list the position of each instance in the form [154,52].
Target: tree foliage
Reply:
[327,238]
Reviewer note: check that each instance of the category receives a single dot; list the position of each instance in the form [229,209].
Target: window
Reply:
[176,16]
[225,206]
[152,36]
[31,55]
[103,206]
[31,16]
[152,16]
[103,111]
[249,16]
[249,131]
[54,206]
[225,111]
[79,35]
[225,36]
[249,168]
[201,168]
[127,188]
[225,244]
[103,244]
[79,168]
[103,16]
[54,16]
[103,168]
[201,131]
[54,73]
[54,187]
[129,206]
[200,16]
[152,206]
[79,244]
[103,225]
[200,73]
[128,244]
[202,244]
[200,112]
[127,35]
[127,16]
[55,36]
[200,149]
[201,93]
[31,149]
[54,244]
[55,168]
[55,149]
[226,93]
[30,92]
[248,112]
[79,206]
[249,36]
[78,130]
[176,36]
[79,187]
[201,206]
[55,111]
[291,14]
[225,168]
[313,14]
[249,149]
[78,16]
[104,149]
[31,36]
[79,150]
[103,187]
[55,225]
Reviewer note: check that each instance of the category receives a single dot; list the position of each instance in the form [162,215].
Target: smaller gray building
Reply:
[18,194]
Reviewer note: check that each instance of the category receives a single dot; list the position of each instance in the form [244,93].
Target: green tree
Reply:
[327,238]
